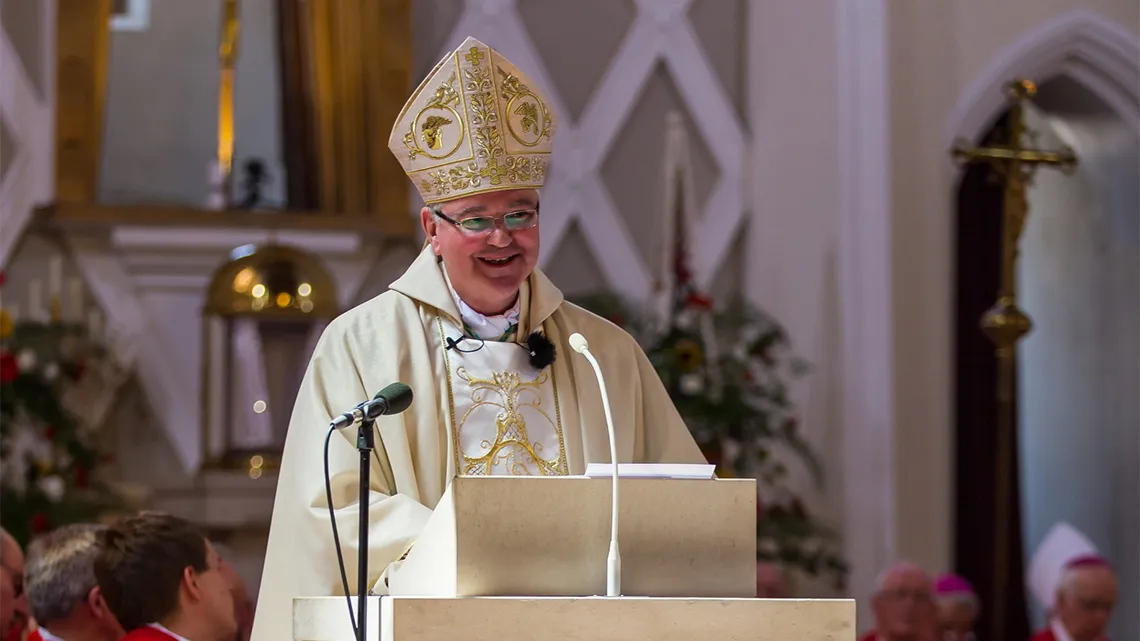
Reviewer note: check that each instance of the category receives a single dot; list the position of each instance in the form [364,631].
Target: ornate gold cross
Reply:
[1004,323]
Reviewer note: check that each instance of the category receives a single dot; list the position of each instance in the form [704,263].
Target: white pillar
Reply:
[865,263]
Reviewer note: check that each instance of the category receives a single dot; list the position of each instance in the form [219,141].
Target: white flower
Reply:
[52,487]
[811,546]
[14,472]
[51,371]
[685,319]
[692,384]
[26,360]
[768,545]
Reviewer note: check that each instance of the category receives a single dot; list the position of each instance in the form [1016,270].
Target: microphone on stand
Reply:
[393,399]
[613,562]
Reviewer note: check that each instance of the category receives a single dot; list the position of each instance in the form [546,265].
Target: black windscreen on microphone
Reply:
[397,397]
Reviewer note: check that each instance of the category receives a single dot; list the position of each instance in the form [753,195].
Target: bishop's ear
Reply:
[429,225]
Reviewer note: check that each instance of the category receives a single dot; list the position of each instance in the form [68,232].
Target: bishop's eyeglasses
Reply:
[480,225]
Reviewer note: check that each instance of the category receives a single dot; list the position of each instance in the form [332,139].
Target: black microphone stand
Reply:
[365,442]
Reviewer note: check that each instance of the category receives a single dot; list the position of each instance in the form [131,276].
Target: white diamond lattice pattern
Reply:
[575,189]
[28,117]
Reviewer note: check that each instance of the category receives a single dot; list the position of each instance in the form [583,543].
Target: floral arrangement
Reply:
[728,373]
[48,452]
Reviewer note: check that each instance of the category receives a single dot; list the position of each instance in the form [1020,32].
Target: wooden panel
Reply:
[361,62]
[81,65]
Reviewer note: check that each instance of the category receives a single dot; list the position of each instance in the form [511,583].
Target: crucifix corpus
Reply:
[1005,324]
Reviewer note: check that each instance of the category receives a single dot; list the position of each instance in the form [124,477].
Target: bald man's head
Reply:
[1086,596]
[903,602]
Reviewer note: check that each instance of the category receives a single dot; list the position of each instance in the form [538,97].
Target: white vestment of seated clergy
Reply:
[477,410]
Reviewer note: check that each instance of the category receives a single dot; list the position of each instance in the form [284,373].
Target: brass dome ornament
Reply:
[263,309]
[271,280]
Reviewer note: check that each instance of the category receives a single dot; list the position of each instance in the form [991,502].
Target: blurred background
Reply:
[189,191]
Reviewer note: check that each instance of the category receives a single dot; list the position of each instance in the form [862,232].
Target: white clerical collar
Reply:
[163,629]
[48,636]
[1059,630]
[485,327]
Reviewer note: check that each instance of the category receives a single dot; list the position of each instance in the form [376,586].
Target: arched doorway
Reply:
[1078,449]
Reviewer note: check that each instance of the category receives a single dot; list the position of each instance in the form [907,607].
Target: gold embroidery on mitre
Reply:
[512,449]
[432,124]
[493,132]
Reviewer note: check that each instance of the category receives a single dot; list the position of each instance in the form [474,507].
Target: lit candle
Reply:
[35,300]
[55,277]
[76,305]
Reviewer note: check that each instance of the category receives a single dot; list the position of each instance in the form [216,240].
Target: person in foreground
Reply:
[476,330]
[63,594]
[13,601]
[163,581]
[1085,597]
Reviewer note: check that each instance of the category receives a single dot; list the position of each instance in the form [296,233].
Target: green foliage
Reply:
[48,456]
[728,372]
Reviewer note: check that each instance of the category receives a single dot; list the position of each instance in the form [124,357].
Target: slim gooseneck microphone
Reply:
[613,562]
[393,399]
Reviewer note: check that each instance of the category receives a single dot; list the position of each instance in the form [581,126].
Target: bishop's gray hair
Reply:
[60,570]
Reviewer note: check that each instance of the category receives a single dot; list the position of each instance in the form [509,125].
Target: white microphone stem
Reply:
[613,562]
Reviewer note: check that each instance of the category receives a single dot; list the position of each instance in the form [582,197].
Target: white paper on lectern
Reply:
[652,470]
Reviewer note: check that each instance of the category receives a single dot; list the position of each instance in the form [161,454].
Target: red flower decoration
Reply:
[699,301]
[39,523]
[9,368]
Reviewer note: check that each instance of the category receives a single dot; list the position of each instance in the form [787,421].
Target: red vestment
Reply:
[20,632]
[1044,635]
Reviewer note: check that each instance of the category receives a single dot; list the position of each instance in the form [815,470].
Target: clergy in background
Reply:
[1074,584]
[477,331]
[957,607]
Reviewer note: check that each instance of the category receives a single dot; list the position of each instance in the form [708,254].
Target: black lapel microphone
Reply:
[542,352]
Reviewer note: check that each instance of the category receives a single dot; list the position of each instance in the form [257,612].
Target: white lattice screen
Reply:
[661,32]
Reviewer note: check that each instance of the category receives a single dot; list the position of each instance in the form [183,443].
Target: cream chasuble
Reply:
[479,408]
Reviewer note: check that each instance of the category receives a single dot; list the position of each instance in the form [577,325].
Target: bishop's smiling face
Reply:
[489,244]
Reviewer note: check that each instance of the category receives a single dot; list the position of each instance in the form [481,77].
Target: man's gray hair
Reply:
[898,567]
[60,570]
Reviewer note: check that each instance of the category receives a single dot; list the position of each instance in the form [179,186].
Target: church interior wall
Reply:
[1081,278]
[960,43]
[778,207]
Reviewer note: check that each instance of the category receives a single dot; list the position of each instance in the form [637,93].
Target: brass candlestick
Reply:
[227,54]
[1005,324]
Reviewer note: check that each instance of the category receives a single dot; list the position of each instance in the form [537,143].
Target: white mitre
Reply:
[1061,545]
[475,124]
